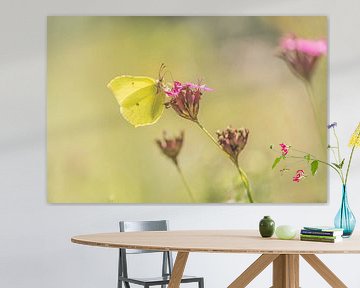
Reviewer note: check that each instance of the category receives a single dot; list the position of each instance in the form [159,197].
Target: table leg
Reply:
[286,271]
[178,269]
[324,271]
[253,270]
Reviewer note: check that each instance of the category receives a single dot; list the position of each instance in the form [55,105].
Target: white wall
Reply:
[35,248]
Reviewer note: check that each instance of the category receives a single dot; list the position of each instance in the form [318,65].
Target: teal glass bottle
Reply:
[345,219]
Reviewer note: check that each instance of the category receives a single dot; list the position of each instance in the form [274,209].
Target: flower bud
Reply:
[171,147]
[233,141]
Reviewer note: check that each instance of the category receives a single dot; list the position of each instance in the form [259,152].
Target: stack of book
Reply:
[321,234]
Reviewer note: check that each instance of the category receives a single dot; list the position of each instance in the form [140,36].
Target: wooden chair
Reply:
[167,262]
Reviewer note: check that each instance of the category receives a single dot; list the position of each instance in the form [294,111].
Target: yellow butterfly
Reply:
[141,99]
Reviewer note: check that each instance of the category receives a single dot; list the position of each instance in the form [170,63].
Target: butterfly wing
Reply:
[141,102]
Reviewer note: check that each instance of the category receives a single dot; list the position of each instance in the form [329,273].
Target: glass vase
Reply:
[345,219]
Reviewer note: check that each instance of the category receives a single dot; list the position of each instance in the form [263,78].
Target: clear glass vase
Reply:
[345,219]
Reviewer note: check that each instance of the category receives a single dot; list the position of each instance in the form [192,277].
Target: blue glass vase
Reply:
[345,219]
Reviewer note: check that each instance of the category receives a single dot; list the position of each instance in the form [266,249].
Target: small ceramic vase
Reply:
[266,227]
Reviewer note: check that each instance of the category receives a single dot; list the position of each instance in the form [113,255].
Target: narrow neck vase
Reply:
[345,219]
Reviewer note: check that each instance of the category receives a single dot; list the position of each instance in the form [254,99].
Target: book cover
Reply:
[321,233]
[319,236]
[324,240]
[323,228]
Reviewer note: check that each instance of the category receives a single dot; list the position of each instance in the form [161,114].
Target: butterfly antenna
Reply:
[169,72]
[162,71]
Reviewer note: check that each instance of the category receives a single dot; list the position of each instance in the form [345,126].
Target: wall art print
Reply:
[186,109]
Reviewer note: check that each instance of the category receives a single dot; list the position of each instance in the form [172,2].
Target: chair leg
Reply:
[201,283]
[120,273]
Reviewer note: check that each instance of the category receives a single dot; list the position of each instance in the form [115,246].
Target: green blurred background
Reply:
[95,156]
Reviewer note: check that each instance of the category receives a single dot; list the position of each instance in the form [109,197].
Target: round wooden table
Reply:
[284,254]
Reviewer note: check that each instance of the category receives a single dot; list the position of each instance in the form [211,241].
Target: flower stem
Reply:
[310,92]
[339,155]
[335,157]
[323,162]
[246,182]
[242,173]
[350,159]
[209,135]
[191,196]
[300,151]
[212,138]
[337,143]
[348,168]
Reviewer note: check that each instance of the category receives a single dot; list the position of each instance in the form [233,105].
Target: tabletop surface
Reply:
[217,241]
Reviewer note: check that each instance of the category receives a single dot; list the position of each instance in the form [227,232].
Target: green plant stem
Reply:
[323,162]
[185,182]
[310,92]
[246,182]
[339,155]
[241,172]
[338,146]
[333,152]
[348,167]
[338,163]
[300,151]
[351,156]
[210,136]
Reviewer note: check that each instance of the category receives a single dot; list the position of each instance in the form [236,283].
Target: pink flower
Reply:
[301,55]
[198,86]
[185,99]
[177,87]
[175,90]
[284,149]
[306,46]
[300,174]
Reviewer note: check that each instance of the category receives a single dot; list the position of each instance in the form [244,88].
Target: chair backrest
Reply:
[138,226]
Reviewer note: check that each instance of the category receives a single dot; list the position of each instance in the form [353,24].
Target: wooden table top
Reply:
[216,241]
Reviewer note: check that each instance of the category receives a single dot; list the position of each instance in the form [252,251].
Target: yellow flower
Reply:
[355,138]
